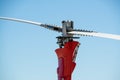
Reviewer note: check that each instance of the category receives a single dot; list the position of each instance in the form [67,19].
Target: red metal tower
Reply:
[66,59]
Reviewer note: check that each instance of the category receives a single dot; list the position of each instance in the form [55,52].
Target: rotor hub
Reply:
[66,26]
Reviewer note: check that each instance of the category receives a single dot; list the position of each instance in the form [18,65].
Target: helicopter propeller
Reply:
[69,31]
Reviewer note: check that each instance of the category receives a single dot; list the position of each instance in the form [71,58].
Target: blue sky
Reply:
[27,51]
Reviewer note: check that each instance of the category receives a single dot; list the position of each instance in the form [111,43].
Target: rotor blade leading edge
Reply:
[97,34]
[51,27]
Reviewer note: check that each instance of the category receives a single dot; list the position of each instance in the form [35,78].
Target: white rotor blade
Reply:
[21,20]
[51,27]
[103,35]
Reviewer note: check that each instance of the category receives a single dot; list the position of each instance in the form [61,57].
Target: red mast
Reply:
[67,52]
[66,59]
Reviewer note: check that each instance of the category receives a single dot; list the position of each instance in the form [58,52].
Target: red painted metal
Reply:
[66,63]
